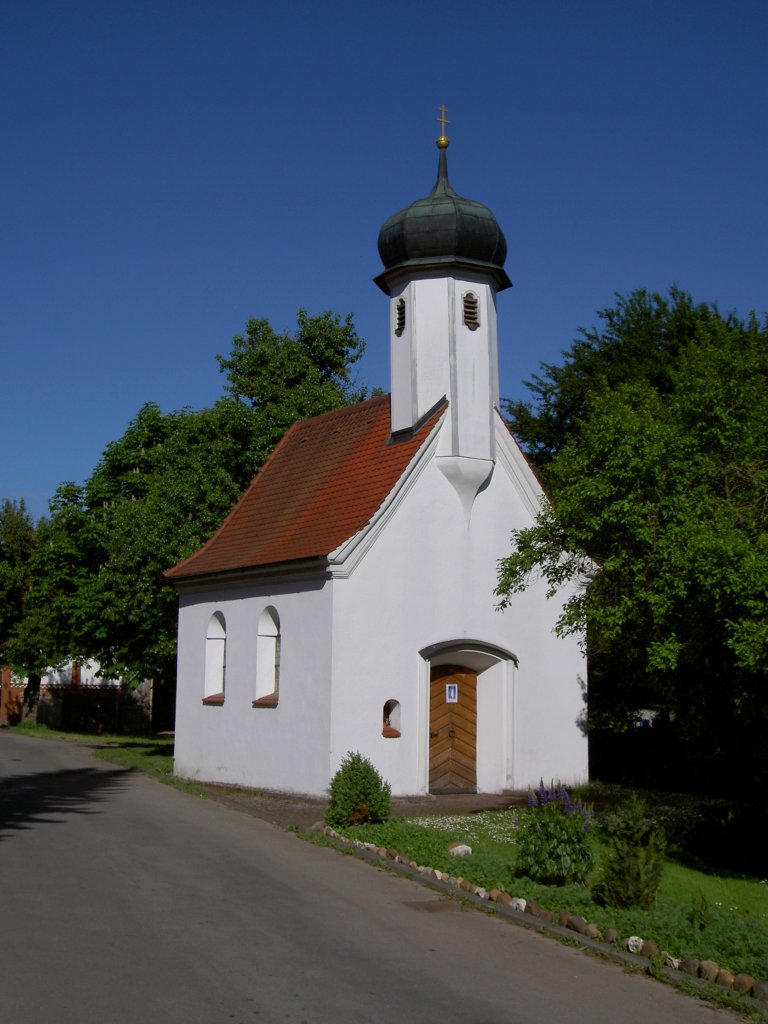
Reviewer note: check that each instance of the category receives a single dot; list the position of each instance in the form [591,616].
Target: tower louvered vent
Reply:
[471,314]
[400,317]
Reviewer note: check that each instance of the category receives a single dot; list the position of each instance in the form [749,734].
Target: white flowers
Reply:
[498,826]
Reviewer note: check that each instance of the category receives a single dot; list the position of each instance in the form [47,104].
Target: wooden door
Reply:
[453,730]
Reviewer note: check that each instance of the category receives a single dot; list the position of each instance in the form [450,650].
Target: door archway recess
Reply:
[472,653]
[482,736]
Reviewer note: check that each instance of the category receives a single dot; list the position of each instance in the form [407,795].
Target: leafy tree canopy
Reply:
[17,541]
[640,340]
[657,471]
[154,497]
[158,493]
[288,377]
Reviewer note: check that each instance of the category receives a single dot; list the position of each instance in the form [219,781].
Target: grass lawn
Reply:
[744,897]
[151,754]
[697,913]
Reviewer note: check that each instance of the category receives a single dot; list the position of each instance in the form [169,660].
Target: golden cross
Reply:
[442,119]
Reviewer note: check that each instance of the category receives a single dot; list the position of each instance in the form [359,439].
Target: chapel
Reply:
[347,601]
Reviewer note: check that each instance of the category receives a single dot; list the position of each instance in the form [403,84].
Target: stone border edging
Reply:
[475,894]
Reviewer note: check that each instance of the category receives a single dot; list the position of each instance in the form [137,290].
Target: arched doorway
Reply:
[453,729]
[493,670]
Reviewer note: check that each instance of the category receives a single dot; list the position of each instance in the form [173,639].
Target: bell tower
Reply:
[443,262]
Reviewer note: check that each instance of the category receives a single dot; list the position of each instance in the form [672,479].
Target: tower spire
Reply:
[443,262]
[442,140]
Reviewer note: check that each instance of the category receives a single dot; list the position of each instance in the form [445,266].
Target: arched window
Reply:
[268,660]
[399,317]
[215,660]
[471,311]
[391,720]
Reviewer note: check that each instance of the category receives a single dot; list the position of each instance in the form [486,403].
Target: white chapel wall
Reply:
[283,747]
[429,579]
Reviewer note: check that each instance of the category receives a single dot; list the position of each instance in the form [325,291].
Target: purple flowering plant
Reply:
[557,794]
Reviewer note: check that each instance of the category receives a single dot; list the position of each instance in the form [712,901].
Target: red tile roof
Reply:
[323,482]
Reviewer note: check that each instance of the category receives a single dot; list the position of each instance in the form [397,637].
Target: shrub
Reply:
[553,847]
[358,794]
[634,858]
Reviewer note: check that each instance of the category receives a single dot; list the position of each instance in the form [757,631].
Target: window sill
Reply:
[215,700]
[270,701]
[389,732]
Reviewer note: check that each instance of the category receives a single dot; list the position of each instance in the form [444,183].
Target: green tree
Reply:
[156,495]
[186,476]
[160,491]
[47,632]
[17,542]
[657,515]
[288,377]
[640,339]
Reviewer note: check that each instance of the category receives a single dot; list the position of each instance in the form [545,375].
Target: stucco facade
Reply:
[348,601]
[414,589]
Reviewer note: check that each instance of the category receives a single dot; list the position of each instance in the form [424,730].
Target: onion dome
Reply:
[443,229]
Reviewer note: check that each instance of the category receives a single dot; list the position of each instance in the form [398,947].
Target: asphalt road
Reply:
[125,901]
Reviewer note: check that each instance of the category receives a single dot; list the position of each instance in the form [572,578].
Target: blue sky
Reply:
[172,168]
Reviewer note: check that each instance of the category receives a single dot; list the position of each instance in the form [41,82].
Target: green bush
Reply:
[553,847]
[358,794]
[634,858]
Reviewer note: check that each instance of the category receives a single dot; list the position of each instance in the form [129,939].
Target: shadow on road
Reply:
[26,800]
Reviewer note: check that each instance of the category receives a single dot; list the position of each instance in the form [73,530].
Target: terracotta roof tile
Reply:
[323,482]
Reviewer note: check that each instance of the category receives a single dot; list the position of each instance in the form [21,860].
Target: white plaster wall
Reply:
[432,323]
[437,355]
[89,675]
[495,689]
[402,360]
[272,748]
[429,579]
[474,373]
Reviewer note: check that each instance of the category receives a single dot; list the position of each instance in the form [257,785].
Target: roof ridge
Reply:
[344,410]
